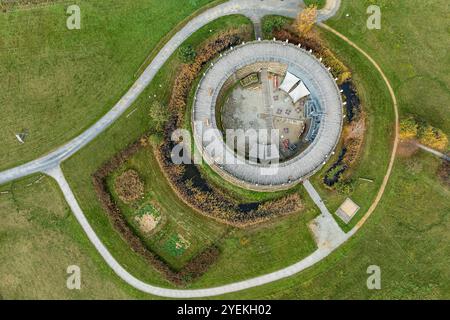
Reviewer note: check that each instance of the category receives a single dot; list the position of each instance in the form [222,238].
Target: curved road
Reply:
[328,235]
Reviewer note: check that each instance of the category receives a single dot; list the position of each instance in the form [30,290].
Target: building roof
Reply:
[347,210]
[316,78]
[299,92]
[289,82]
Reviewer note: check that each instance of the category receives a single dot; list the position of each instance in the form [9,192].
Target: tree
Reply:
[158,115]
[408,129]
[273,24]
[346,187]
[306,20]
[129,186]
[187,53]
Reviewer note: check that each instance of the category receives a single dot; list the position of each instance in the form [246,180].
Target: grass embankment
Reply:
[376,104]
[414,59]
[57,82]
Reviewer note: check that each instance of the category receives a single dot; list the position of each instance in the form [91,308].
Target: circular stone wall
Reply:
[327,113]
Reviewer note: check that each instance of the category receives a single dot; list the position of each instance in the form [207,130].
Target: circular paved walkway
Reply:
[283,175]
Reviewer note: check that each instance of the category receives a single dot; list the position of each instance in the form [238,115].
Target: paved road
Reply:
[254,9]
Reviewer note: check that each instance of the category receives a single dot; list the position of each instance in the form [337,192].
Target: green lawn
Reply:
[407,237]
[177,218]
[56,82]
[39,239]
[413,55]
[409,61]
[377,105]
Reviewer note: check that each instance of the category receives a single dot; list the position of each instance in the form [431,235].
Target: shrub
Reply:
[408,129]
[444,173]
[129,186]
[187,53]
[159,115]
[272,24]
[313,42]
[433,138]
[287,204]
[345,187]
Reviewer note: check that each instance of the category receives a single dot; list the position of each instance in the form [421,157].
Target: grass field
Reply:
[407,237]
[56,82]
[373,162]
[418,82]
[39,239]
[177,218]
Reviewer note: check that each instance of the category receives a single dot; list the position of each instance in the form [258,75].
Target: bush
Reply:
[433,138]
[187,53]
[159,115]
[129,186]
[444,173]
[273,24]
[313,42]
[306,20]
[345,188]
[408,129]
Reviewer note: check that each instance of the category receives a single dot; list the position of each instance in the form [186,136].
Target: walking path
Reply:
[397,126]
[254,9]
[432,151]
[325,229]
[322,252]
[327,232]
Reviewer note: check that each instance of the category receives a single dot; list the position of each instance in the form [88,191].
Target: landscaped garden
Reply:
[406,236]
[178,219]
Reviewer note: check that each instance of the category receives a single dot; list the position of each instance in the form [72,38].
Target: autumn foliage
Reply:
[410,129]
[305,21]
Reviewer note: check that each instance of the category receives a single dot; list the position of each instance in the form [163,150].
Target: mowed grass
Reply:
[408,234]
[414,58]
[407,237]
[56,82]
[413,55]
[377,106]
[39,239]
[318,3]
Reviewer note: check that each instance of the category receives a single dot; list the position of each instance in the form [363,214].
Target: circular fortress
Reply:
[267,115]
